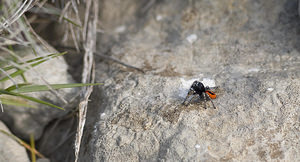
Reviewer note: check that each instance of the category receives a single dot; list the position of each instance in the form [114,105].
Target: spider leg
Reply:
[187,96]
[210,100]
[185,99]
[183,103]
[193,98]
[189,101]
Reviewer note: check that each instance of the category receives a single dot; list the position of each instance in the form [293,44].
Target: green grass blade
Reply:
[72,22]
[37,88]
[13,87]
[34,52]
[24,78]
[53,55]
[30,98]
[15,102]
[32,144]
[20,71]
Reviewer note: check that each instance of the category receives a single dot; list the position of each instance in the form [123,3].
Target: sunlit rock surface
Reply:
[10,150]
[248,49]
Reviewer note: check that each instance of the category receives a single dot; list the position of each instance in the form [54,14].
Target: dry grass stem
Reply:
[88,74]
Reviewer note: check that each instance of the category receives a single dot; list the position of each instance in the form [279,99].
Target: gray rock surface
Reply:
[299,7]
[10,150]
[249,49]
[24,121]
[43,160]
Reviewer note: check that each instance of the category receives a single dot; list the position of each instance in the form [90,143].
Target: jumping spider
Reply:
[203,92]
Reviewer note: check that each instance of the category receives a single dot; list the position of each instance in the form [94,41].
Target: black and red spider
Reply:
[198,88]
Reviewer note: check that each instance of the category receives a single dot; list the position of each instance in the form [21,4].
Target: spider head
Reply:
[197,87]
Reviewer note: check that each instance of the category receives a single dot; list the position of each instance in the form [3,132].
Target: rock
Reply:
[10,150]
[43,160]
[249,49]
[299,7]
[24,121]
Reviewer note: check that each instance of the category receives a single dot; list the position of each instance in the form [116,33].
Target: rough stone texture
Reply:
[24,121]
[299,7]
[10,150]
[43,160]
[249,48]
